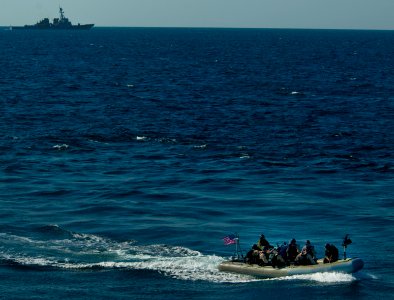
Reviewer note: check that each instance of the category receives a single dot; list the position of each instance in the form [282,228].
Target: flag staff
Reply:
[238,251]
[234,239]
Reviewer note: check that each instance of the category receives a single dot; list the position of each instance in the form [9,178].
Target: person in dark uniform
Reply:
[331,254]
[262,242]
[304,258]
[310,249]
[292,251]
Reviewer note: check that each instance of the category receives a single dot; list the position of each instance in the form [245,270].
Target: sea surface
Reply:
[127,154]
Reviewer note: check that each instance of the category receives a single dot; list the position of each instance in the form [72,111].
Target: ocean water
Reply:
[126,155]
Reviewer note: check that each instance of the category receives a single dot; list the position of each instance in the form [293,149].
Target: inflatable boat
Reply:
[350,265]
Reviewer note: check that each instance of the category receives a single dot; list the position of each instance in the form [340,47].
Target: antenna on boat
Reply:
[346,242]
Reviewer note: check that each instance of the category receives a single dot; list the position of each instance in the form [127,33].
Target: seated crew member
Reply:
[292,251]
[251,255]
[283,251]
[264,256]
[304,258]
[310,249]
[331,254]
[262,242]
[277,259]
[256,256]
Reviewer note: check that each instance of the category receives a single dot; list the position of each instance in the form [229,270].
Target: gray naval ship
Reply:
[58,23]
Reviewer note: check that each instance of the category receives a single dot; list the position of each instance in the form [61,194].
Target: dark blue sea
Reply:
[126,155]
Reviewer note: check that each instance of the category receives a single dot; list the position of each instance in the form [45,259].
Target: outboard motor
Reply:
[346,242]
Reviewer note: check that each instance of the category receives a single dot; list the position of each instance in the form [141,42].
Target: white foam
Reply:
[141,138]
[15,238]
[29,261]
[198,268]
[90,237]
[85,251]
[178,262]
[61,147]
[325,277]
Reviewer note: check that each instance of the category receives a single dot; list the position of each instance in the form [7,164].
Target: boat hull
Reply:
[342,266]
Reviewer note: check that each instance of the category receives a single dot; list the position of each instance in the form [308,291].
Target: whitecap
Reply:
[201,146]
[61,147]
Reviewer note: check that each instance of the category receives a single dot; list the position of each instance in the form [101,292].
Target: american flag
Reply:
[230,239]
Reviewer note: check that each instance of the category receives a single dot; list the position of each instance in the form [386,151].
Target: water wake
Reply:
[76,251]
[61,249]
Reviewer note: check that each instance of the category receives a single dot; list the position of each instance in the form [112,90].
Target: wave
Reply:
[61,147]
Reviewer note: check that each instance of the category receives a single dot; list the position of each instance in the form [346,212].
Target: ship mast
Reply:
[61,12]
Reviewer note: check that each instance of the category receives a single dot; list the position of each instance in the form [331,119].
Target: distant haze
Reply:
[335,14]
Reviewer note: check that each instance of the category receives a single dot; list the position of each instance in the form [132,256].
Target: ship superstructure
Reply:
[58,23]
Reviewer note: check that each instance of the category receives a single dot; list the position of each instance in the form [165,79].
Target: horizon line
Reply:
[226,27]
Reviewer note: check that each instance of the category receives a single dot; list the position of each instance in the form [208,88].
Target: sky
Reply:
[327,14]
